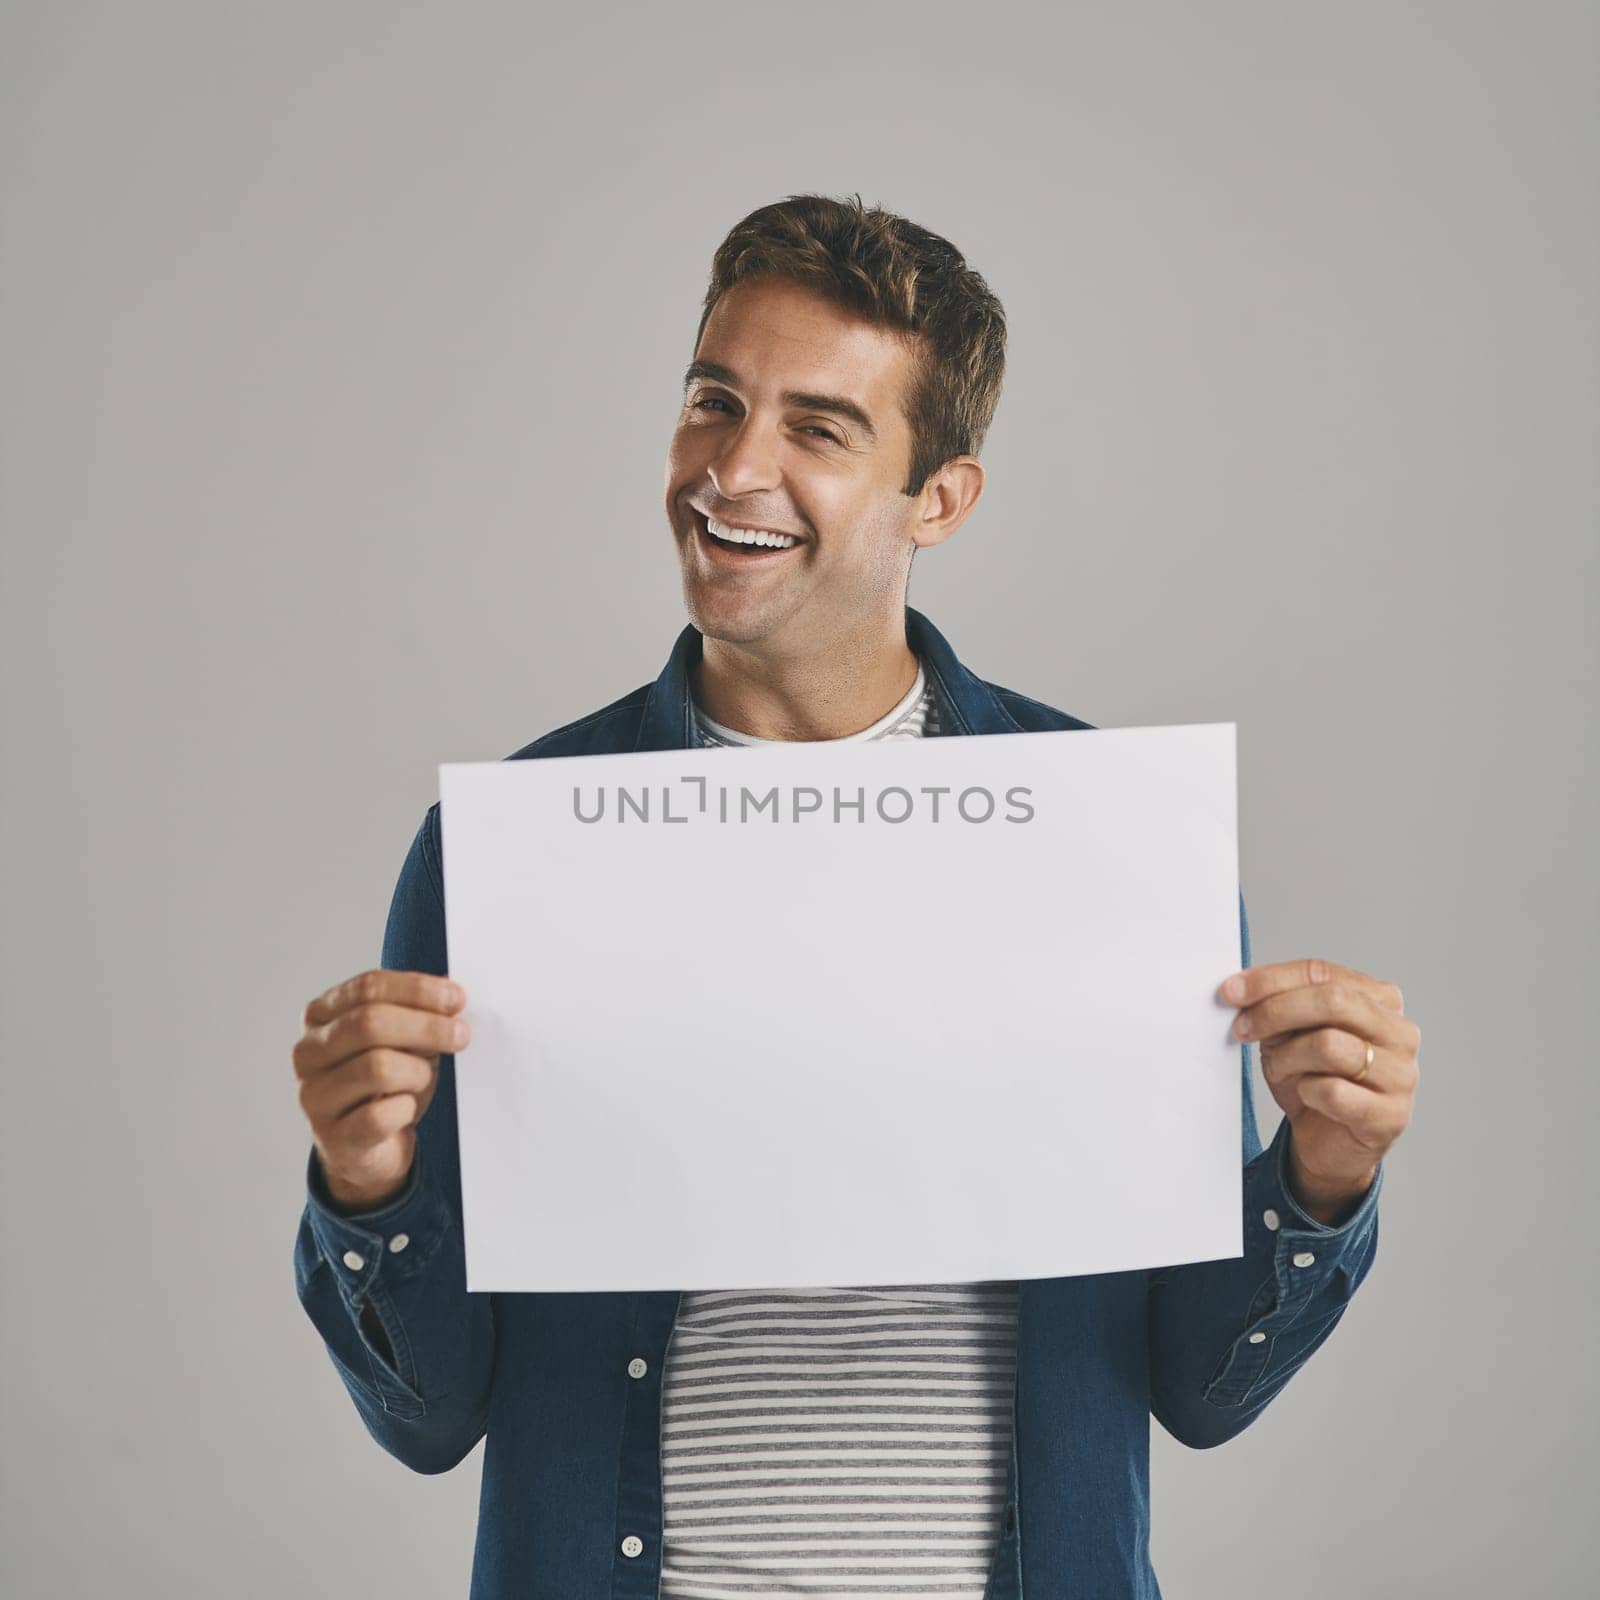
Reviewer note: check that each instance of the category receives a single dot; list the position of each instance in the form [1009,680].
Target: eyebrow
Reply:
[837,403]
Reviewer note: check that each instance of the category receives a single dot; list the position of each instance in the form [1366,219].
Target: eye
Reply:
[717,400]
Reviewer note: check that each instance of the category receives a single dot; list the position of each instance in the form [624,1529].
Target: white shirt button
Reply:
[353,1261]
[1304,1259]
[1258,1338]
[632,1545]
[1270,1217]
[637,1367]
[400,1241]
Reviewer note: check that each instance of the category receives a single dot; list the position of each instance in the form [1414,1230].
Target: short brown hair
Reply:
[892,272]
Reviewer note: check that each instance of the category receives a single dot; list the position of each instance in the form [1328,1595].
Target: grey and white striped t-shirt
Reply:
[838,1441]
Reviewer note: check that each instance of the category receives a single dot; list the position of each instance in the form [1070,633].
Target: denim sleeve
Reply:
[386,1288]
[1226,1336]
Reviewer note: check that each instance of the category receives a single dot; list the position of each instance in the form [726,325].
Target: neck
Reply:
[828,692]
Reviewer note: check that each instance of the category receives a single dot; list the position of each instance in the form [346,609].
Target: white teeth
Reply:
[760,536]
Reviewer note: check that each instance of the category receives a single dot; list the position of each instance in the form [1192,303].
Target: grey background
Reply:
[340,353]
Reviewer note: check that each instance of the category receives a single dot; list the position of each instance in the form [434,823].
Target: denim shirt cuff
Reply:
[387,1245]
[1310,1270]
[1300,1220]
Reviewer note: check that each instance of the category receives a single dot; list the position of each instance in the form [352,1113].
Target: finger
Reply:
[378,1026]
[1257,983]
[327,1096]
[423,990]
[1326,1051]
[371,1123]
[1337,1003]
[1368,1118]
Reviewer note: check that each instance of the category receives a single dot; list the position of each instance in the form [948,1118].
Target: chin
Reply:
[729,627]
[734,624]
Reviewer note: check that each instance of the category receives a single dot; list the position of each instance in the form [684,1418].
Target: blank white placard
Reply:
[737,1033]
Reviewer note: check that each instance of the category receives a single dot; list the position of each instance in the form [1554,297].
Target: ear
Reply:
[946,498]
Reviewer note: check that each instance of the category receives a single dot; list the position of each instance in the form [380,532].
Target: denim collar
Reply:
[966,703]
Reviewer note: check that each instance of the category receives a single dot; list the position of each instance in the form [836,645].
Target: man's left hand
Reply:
[1313,1021]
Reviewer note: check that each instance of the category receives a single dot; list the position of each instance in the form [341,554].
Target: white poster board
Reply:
[734,1029]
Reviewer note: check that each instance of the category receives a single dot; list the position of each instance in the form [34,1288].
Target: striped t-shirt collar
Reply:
[897,713]
[964,703]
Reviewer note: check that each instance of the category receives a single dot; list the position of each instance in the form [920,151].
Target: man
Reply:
[950,1439]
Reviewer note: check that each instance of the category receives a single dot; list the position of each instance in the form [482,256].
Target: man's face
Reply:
[767,440]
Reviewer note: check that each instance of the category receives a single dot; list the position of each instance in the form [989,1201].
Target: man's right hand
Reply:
[368,1061]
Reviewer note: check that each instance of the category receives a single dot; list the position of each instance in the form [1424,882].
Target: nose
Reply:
[747,462]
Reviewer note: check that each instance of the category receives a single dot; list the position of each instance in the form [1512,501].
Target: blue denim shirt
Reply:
[565,1388]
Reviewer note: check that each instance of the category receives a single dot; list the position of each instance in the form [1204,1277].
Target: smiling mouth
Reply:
[742,544]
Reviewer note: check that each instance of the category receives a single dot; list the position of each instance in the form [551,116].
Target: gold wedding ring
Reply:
[1365,1065]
